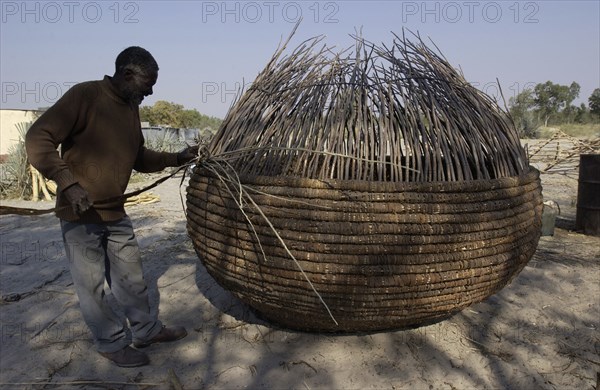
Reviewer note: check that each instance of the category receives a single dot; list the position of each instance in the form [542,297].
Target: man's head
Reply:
[136,72]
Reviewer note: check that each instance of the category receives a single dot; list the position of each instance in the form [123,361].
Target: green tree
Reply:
[573,92]
[189,119]
[170,114]
[146,114]
[570,111]
[520,108]
[583,114]
[550,99]
[167,113]
[594,102]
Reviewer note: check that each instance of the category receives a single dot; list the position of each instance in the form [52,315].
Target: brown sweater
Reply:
[101,143]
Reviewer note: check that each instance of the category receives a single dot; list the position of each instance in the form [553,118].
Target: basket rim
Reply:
[478,185]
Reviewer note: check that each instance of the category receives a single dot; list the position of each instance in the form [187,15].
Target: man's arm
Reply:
[153,161]
[52,129]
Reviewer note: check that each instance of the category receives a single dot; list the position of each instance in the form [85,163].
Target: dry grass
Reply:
[588,130]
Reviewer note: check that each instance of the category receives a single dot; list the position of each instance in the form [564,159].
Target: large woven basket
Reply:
[370,192]
[382,255]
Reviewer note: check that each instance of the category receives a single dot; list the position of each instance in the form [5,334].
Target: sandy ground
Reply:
[540,332]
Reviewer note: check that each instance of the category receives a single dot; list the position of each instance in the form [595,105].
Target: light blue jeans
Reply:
[109,251]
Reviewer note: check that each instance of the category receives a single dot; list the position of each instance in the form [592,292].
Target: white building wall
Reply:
[9,134]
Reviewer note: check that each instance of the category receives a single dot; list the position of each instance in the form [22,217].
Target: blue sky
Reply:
[207,49]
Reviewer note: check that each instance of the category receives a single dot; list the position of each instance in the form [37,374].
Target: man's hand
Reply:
[78,197]
[188,154]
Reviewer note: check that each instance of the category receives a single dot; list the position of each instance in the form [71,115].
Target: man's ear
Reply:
[128,74]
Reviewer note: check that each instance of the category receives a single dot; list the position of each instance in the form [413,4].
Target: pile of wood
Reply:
[560,153]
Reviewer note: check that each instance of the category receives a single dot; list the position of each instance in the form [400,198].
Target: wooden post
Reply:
[44,187]
[34,184]
[38,183]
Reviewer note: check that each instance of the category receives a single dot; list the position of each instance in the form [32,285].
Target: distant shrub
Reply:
[15,177]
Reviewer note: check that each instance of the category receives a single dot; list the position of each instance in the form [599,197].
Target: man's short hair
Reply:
[136,59]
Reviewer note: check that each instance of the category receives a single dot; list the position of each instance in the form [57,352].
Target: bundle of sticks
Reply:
[398,113]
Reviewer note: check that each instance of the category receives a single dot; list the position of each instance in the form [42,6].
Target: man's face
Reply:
[139,85]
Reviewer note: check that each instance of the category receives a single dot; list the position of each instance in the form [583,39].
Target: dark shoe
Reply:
[165,335]
[127,357]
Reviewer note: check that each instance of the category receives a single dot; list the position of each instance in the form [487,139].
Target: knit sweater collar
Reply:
[112,91]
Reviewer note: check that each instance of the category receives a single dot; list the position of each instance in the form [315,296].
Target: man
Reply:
[97,125]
